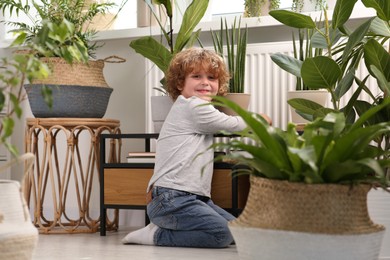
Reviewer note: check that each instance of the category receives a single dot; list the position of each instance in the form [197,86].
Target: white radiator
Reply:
[264,80]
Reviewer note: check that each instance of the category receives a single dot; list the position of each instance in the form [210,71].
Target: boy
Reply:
[180,210]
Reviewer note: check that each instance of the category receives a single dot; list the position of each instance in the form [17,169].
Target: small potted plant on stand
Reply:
[235,41]
[68,49]
[161,52]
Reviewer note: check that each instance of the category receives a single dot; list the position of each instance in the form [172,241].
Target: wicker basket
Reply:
[77,74]
[285,220]
[18,236]
[78,90]
[315,208]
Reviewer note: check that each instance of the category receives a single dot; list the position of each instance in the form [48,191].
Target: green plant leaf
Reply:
[342,11]
[380,27]
[192,16]
[319,41]
[320,72]
[382,8]
[377,58]
[288,63]
[356,37]
[304,106]
[153,50]
[293,19]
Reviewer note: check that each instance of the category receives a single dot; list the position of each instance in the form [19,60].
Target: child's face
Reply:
[200,84]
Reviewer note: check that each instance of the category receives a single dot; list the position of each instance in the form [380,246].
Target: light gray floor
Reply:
[94,246]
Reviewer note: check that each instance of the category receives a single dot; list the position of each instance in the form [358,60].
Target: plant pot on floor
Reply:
[78,90]
[285,220]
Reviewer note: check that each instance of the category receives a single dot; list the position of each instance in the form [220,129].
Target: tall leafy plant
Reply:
[235,39]
[335,70]
[161,52]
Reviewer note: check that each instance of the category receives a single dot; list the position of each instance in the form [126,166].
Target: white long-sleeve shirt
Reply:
[187,131]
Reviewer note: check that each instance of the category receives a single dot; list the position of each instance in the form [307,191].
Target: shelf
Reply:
[254,25]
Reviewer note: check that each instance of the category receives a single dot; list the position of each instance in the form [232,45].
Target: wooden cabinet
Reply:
[123,185]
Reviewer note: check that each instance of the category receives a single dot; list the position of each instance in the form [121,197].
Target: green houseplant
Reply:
[309,188]
[68,49]
[234,39]
[255,8]
[364,43]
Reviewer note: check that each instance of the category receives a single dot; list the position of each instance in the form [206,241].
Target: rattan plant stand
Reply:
[64,181]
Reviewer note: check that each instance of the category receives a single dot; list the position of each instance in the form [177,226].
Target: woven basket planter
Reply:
[18,236]
[78,90]
[284,220]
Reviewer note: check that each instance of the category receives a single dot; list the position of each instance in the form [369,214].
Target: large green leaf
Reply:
[342,11]
[320,72]
[153,50]
[375,55]
[288,63]
[380,27]
[319,41]
[304,105]
[192,16]
[293,19]
[382,8]
[356,37]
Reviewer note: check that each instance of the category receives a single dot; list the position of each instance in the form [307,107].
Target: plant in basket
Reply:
[308,191]
[60,35]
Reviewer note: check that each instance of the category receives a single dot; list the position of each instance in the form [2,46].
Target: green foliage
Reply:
[236,42]
[328,151]
[161,52]
[344,50]
[253,8]
[13,74]
[64,23]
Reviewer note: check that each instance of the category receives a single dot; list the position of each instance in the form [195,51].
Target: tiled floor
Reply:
[109,247]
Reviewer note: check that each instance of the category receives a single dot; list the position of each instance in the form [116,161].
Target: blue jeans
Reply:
[188,220]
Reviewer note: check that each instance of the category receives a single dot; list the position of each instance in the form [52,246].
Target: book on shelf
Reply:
[141,157]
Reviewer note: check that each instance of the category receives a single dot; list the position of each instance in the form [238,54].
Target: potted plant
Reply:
[256,8]
[308,192]
[161,52]
[341,58]
[235,40]
[301,52]
[68,49]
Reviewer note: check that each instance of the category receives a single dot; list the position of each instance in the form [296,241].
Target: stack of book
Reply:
[141,157]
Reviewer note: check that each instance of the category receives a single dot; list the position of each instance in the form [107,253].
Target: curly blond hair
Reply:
[193,60]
